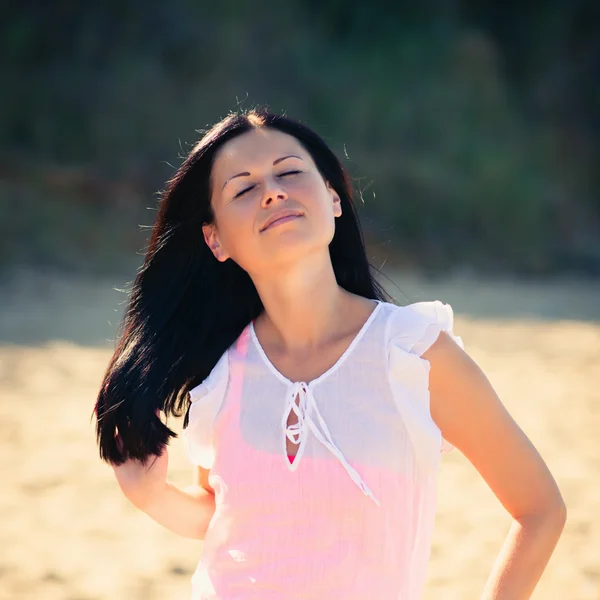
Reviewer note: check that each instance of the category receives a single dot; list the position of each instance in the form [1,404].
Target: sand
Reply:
[66,531]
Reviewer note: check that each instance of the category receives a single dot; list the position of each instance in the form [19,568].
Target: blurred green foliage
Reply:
[472,129]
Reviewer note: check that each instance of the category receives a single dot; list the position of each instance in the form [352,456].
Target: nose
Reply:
[273,190]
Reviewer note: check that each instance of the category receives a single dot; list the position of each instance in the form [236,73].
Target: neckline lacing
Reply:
[297,433]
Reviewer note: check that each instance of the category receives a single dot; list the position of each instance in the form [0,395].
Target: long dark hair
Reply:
[186,308]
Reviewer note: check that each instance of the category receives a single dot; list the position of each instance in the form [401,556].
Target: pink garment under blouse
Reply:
[352,516]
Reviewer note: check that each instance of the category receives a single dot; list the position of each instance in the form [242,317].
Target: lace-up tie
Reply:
[298,432]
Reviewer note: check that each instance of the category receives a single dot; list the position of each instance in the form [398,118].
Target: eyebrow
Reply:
[246,174]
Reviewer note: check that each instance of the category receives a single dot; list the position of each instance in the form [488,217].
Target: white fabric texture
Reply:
[364,472]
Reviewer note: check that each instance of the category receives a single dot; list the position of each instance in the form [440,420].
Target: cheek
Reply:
[238,216]
[238,228]
[319,202]
[308,192]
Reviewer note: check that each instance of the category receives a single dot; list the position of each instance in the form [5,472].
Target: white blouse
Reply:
[351,516]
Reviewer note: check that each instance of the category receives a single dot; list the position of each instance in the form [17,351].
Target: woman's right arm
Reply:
[185,512]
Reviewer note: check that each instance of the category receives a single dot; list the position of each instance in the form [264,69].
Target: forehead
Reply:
[255,147]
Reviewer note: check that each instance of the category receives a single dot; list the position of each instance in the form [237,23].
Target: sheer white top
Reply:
[352,516]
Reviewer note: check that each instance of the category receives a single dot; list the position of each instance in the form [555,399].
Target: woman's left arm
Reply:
[470,415]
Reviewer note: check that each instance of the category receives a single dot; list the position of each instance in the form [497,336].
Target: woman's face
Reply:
[255,176]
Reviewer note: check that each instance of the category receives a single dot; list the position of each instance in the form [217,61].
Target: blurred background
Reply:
[472,128]
[472,132]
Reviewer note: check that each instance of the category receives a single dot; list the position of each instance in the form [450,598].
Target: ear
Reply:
[211,237]
[337,203]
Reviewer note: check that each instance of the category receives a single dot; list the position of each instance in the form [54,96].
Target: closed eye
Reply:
[280,175]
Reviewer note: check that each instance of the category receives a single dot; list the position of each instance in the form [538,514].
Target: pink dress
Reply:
[352,516]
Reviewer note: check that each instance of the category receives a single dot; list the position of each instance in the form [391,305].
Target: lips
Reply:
[281,215]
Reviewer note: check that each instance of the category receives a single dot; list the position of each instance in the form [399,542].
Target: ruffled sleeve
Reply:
[411,331]
[206,401]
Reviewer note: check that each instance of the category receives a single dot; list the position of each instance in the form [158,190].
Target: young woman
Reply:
[316,409]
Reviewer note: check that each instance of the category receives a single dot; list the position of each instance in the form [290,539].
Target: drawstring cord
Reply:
[297,432]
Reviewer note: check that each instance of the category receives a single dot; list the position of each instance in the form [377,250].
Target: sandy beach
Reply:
[67,533]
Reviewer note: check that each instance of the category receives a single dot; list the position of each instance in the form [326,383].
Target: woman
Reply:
[316,409]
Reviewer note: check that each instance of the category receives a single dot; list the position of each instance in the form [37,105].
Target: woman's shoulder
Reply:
[415,327]
[410,331]
[206,401]
[215,382]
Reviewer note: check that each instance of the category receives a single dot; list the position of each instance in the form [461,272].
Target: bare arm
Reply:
[471,417]
[184,512]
